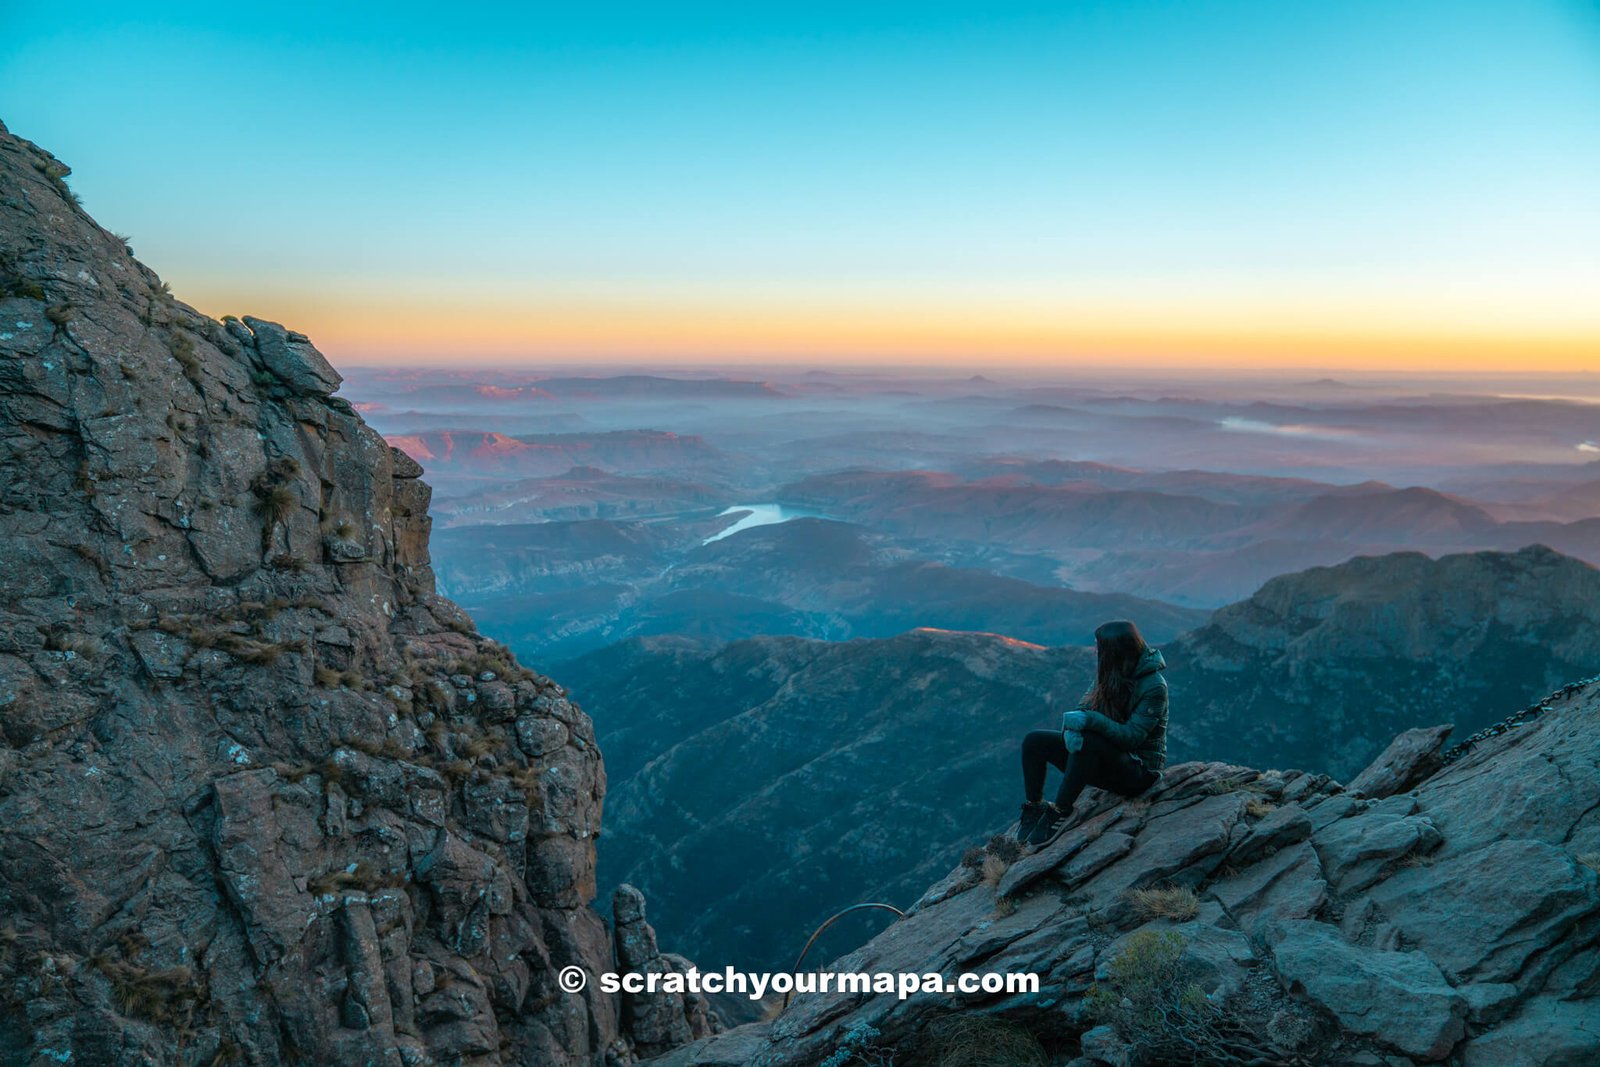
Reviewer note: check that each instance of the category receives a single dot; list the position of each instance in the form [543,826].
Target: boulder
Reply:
[293,359]
[1399,999]
[1409,759]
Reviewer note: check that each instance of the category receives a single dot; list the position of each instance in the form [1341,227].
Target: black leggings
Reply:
[1099,763]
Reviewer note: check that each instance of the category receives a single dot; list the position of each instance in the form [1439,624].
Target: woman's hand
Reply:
[1074,720]
[1073,740]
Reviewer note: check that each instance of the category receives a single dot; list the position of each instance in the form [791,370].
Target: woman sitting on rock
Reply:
[1116,739]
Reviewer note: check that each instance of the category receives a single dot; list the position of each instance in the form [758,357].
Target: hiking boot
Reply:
[1032,812]
[1049,827]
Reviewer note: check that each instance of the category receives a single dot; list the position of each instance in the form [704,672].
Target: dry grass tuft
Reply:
[183,351]
[1005,846]
[972,1040]
[1256,808]
[1178,903]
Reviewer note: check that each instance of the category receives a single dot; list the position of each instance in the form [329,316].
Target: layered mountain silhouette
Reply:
[466,456]
[555,590]
[1193,538]
[759,785]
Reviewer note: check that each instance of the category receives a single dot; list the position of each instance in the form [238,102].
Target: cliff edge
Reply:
[264,796]
[1444,906]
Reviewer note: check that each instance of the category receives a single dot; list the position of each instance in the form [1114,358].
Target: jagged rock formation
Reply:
[1318,669]
[757,787]
[265,797]
[1234,916]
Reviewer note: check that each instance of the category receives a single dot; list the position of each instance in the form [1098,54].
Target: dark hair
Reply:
[1119,646]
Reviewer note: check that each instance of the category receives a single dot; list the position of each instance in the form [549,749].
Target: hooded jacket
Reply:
[1144,735]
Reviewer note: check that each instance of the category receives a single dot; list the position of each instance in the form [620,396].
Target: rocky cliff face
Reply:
[265,797]
[1447,910]
[1318,669]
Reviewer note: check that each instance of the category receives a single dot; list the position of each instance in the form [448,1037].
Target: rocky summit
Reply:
[264,796]
[1445,907]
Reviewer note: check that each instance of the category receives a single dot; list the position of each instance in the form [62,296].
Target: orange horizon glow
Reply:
[366,330]
[1371,188]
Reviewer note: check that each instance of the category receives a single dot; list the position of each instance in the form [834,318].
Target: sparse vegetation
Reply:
[994,868]
[183,351]
[59,314]
[1178,903]
[1590,860]
[1257,808]
[970,1040]
[1005,846]
[1152,1001]
[388,748]
[275,499]
[1232,784]
[364,877]
[170,997]
[55,173]
[221,631]
[83,481]
[78,644]
[12,285]
[295,772]
[859,1048]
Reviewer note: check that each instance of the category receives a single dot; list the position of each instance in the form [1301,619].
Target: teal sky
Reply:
[1038,180]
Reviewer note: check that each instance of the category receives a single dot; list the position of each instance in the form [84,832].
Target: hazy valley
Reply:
[812,614]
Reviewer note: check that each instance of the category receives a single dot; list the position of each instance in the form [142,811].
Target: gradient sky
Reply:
[1368,183]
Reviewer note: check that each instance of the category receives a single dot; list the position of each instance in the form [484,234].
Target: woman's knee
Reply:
[1040,744]
[1035,740]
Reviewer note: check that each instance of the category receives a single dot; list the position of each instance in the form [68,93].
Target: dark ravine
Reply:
[265,797]
[1448,912]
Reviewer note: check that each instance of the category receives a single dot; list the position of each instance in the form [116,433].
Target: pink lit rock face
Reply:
[266,797]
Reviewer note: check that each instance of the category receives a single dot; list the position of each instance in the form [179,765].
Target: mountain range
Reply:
[1199,541]
[759,785]
[555,590]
